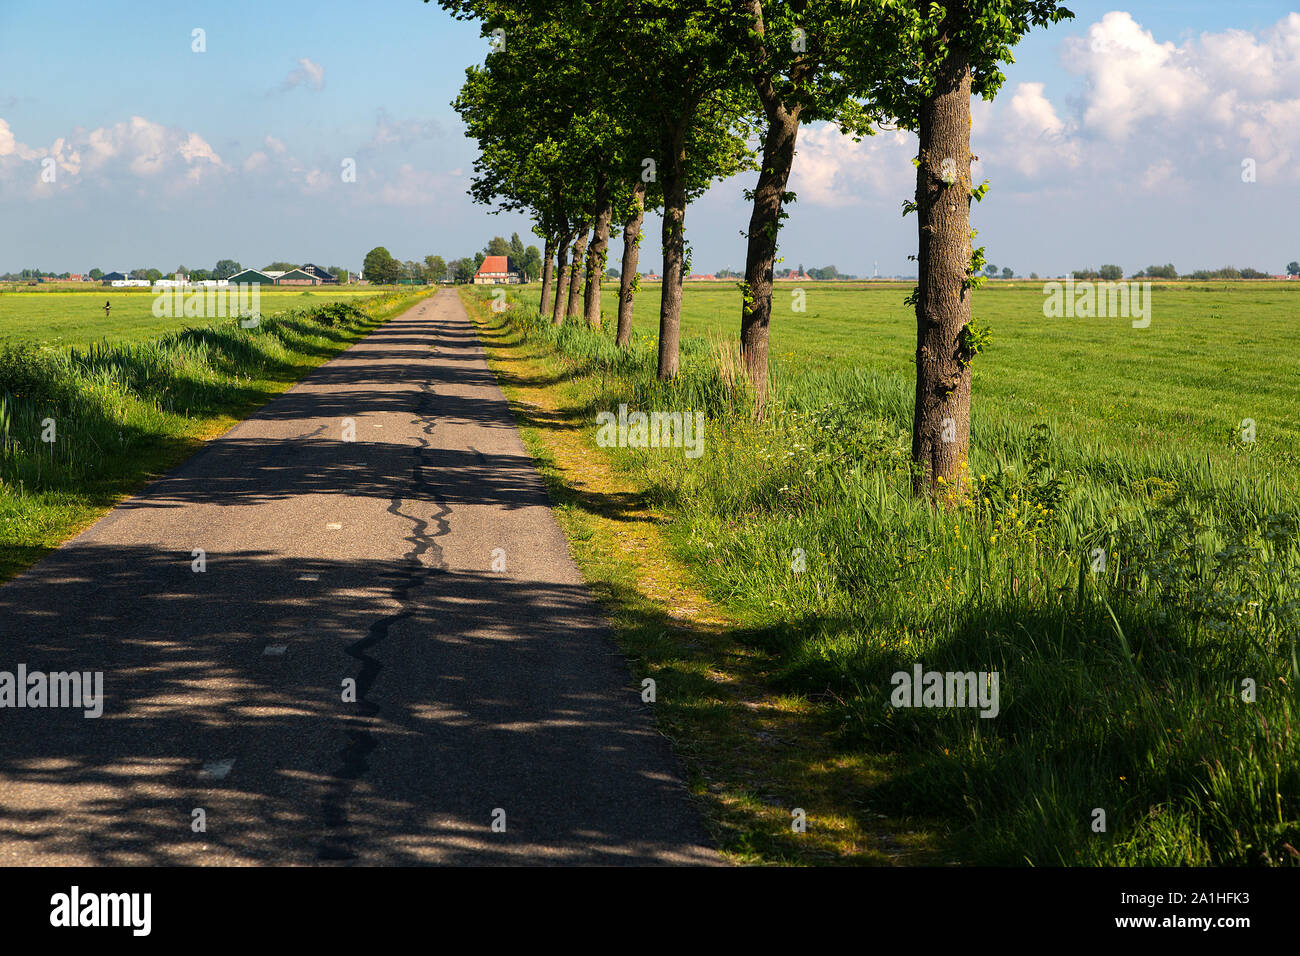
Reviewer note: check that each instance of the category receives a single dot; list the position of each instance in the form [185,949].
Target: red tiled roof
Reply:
[494,264]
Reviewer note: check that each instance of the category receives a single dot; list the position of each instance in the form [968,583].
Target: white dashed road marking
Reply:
[216,769]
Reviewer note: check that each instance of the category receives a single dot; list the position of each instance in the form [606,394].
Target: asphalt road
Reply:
[327,560]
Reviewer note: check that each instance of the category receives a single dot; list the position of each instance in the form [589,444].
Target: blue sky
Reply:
[1118,137]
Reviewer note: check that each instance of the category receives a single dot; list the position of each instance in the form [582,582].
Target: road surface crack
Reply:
[341,838]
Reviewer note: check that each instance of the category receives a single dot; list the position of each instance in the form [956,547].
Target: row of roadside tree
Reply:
[588,114]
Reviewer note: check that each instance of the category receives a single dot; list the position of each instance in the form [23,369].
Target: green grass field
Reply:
[131,401]
[1124,560]
[60,317]
[1214,354]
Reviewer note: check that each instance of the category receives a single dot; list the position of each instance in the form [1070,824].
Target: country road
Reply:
[328,561]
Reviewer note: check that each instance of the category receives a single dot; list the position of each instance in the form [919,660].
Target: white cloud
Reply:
[1216,98]
[830,169]
[314,180]
[1159,174]
[1151,115]
[309,73]
[1130,77]
[411,187]
[137,148]
[400,134]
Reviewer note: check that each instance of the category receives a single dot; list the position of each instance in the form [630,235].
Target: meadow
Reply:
[1127,559]
[90,414]
[1215,353]
[58,317]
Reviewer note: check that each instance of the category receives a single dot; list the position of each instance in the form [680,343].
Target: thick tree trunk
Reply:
[548,269]
[575,272]
[562,283]
[631,253]
[674,243]
[764,224]
[597,254]
[941,426]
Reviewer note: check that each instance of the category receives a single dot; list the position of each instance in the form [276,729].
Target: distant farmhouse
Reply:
[296,277]
[120,280]
[253,277]
[325,276]
[307,275]
[495,270]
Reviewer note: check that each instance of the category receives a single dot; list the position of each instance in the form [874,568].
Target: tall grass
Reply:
[1140,605]
[102,403]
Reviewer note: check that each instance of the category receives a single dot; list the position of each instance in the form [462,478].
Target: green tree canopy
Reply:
[380,267]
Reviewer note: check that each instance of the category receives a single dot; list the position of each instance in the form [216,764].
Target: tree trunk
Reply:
[575,272]
[674,243]
[562,283]
[548,268]
[597,254]
[941,426]
[764,224]
[631,253]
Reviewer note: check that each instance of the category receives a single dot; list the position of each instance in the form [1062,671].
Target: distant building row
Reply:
[307,275]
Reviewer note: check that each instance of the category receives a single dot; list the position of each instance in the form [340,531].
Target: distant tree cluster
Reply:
[380,267]
[1168,271]
[1109,273]
[827,272]
[525,260]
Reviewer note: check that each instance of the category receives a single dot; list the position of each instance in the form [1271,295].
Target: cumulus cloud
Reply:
[1130,77]
[830,169]
[1026,134]
[1151,114]
[1235,93]
[1160,175]
[307,73]
[381,179]
[136,148]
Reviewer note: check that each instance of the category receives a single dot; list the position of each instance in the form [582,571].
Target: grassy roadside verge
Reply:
[753,752]
[80,429]
[1129,612]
